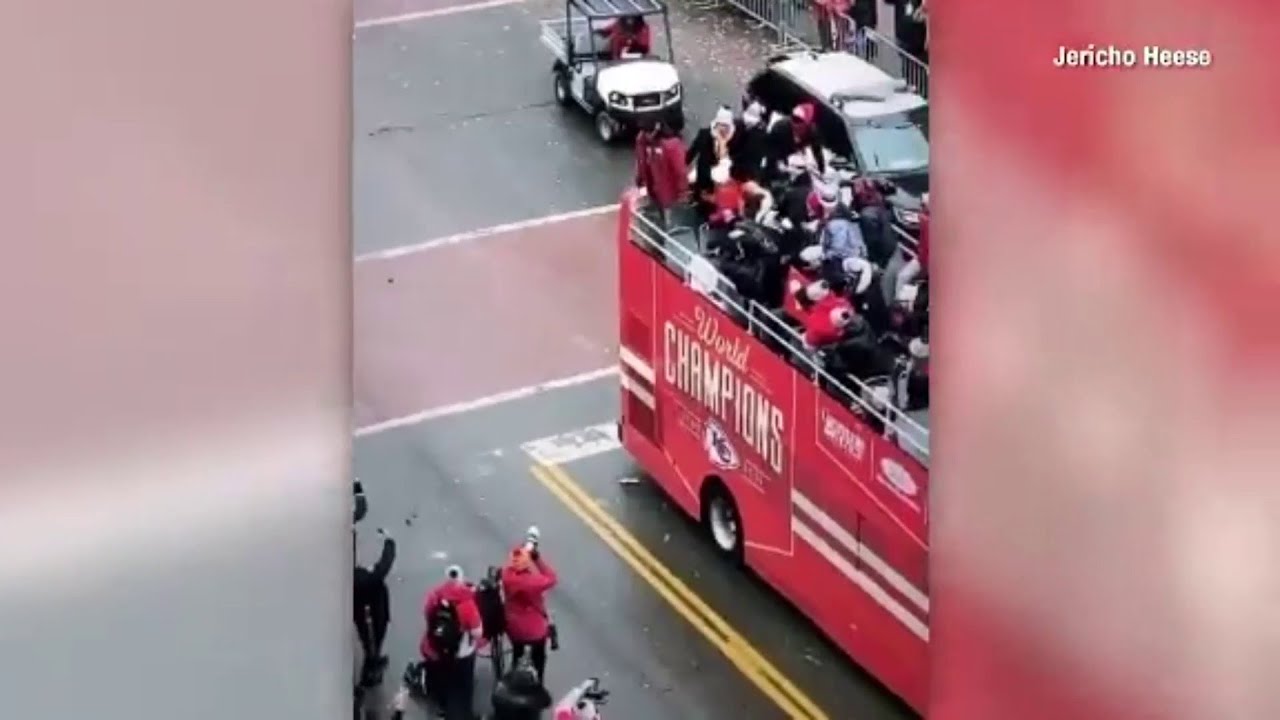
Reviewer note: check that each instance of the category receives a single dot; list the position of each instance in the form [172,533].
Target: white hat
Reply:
[720,173]
[453,572]
[860,267]
[828,194]
[811,255]
[724,116]
[918,348]
[817,290]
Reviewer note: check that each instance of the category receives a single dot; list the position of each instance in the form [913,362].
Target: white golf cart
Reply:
[622,93]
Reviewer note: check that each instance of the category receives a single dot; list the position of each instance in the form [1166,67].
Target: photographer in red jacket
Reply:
[449,644]
[526,578]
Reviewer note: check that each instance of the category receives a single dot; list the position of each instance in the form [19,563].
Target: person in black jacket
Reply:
[749,145]
[865,15]
[372,608]
[710,147]
[796,134]
[519,695]
[909,29]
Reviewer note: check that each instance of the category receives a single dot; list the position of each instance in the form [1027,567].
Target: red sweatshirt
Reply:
[463,597]
[621,41]
[525,594]
[819,330]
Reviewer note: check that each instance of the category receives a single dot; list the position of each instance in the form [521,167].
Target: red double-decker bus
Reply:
[795,473]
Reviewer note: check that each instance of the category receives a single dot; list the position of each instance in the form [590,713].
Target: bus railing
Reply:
[759,320]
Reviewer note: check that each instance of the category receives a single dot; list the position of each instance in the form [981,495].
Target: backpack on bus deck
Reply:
[444,630]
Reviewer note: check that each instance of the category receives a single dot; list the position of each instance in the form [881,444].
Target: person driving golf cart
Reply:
[628,37]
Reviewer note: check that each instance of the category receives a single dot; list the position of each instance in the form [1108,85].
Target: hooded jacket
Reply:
[463,598]
[525,593]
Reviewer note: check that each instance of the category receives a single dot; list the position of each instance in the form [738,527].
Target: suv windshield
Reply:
[893,143]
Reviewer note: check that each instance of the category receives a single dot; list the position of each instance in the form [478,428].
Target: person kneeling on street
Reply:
[526,578]
[519,695]
[449,644]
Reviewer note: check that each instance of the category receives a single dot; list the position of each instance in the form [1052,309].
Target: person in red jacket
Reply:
[449,644]
[661,169]
[628,36]
[526,578]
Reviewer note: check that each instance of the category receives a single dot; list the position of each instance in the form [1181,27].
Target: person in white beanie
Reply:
[709,149]
[448,647]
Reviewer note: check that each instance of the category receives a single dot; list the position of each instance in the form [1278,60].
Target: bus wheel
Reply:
[723,523]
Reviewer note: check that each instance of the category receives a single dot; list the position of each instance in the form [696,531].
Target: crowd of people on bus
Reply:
[460,619]
[802,241]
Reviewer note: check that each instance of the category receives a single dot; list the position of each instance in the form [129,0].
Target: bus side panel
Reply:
[876,607]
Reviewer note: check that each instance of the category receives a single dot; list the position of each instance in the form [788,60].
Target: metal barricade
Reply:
[802,25]
[886,55]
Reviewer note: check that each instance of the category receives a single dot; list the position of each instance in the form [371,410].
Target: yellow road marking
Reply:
[684,601]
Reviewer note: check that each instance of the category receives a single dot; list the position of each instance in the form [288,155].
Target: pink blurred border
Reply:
[176,305]
[1107,273]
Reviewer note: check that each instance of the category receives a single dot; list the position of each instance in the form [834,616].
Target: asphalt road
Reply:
[455,131]
[458,489]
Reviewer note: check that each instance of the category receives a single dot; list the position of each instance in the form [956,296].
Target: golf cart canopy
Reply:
[611,9]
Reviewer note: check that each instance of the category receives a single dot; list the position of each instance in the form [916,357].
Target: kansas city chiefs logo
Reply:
[721,452]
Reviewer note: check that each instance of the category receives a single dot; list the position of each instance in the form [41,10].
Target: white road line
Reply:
[435,12]
[487,401]
[574,445]
[482,233]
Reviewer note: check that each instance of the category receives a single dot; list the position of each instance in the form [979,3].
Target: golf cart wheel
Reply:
[607,128]
[723,522]
[561,88]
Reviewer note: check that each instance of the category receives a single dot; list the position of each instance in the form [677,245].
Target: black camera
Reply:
[553,636]
[361,504]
